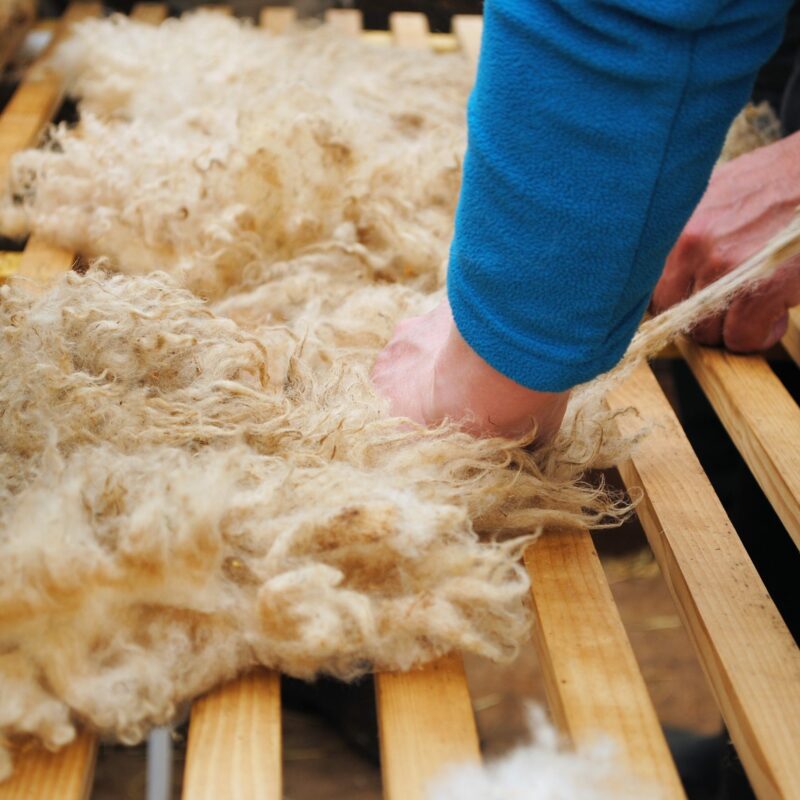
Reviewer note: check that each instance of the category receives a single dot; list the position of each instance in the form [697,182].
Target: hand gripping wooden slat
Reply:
[594,686]
[409,29]
[347,20]
[761,418]
[426,722]
[277,19]
[234,748]
[749,656]
[468,29]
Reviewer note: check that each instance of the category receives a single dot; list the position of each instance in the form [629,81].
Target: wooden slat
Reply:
[234,747]
[346,20]
[13,39]
[37,97]
[426,722]
[750,658]
[9,264]
[43,263]
[217,8]
[443,42]
[66,775]
[468,29]
[409,29]
[761,418]
[149,13]
[594,686]
[277,19]
[791,339]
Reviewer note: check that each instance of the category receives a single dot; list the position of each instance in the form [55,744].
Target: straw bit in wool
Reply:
[195,473]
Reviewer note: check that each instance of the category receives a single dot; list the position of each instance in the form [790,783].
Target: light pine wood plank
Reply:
[217,8]
[38,96]
[277,19]
[28,111]
[594,686]
[443,42]
[13,39]
[9,264]
[347,20]
[234,747]
[149,13]
[426,723]
[468,29]
[791,339]
[409,29]
[43,263]
[65,775]
[761,418]
[751,660]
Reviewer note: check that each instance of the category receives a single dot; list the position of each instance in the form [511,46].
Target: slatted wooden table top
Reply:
[593,680]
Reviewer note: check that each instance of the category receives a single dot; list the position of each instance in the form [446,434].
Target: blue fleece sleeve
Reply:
[593,129]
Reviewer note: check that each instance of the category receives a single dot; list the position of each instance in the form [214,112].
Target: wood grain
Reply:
[65,775]
[594,686]
[761,418]
[426,722]
[750,658]
[234,747]
[409,29]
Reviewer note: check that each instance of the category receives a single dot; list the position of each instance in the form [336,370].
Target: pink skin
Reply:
[429,373]
[748,201]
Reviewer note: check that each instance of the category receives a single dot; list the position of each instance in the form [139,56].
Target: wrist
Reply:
[496,403]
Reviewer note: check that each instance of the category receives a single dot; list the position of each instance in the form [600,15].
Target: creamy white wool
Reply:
[195,473]
[544,768]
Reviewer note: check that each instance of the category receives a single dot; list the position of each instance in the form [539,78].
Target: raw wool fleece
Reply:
[188,488]
[195,474]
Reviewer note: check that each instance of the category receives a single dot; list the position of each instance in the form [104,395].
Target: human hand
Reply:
[748,201]
[429,373]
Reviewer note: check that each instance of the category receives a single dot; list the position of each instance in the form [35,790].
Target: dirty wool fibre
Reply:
[195,473]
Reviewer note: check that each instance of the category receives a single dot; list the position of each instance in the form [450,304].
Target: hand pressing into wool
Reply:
[748,201]
[429,373]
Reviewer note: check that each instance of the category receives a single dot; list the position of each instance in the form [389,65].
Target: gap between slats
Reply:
[761,418]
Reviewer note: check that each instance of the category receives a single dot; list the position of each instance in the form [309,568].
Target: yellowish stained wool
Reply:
[195,472]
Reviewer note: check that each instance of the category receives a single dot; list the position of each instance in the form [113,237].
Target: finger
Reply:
[676,282]
[709,330]
[756,321]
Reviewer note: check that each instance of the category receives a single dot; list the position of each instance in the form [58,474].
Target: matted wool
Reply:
[196,475]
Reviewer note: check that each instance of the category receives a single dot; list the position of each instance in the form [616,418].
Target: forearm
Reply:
[593,130]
